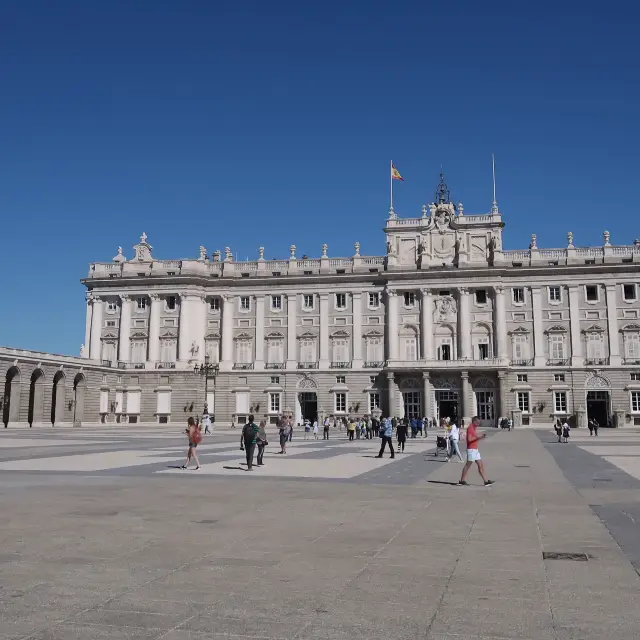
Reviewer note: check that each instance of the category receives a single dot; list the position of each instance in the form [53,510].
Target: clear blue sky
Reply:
[271,123]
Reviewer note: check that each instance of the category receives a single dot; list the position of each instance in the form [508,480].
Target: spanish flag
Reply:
[395,174]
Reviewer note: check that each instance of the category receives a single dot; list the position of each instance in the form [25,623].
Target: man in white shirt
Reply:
[454,440]
[206,421]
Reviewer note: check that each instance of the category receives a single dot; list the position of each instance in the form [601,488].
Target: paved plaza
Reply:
[105,537]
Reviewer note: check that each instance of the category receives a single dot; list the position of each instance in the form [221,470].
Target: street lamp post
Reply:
[206,369]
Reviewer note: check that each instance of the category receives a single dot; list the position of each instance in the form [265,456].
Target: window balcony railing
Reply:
[558,362]
[130,365]
[274,365]
[522,363]
[165,365]
[106,363]
[374,364]
[340,365]
[631,361]
[596,361]
[307,365]
[243,365]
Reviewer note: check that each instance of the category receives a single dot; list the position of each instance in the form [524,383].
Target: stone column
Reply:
[501,338]
[612,325]
[464,325]
[426,329]
[259,363]
[466,410]
[227,333]
[577,359]
[96,328]
[392,324]
[324,331]
[391,395]
[356,362]
[292,357]
[538,329]
[87,327]
[154,328]
[502,390]
[426,395]
[124,341]
[184,335]
[198,324]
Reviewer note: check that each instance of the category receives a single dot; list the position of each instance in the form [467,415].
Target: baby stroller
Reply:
[441,445]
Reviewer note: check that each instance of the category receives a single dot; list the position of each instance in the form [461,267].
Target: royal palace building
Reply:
[445,323]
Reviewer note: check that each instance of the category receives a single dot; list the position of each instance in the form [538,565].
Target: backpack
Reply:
[197,436]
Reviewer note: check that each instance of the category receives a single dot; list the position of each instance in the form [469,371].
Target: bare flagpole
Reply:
[494,206]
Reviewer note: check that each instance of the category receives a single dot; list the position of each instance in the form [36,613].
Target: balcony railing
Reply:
[165,365]
[631,361]
[596,361]
[340,365]
[522,363]
[374,364]
[106,363]
[130,365]
[307,365]
[243,365]
[274,365]
[557,362]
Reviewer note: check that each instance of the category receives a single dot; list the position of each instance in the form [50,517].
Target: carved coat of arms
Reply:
[446,309]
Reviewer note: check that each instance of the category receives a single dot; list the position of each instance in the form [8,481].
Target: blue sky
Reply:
[269,123]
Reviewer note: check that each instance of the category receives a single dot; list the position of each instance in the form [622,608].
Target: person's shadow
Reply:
[234,468]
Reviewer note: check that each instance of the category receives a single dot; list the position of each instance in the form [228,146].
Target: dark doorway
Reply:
[79,386]
[11,398]
[598,407]
[447,404]
[309,406]
[57,399]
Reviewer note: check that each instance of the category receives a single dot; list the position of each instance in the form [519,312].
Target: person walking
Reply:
[206,421]
[596,425]
[454,439]
[195,435]
[473,454]
[261,442]
[315,428]
[386,433]
[291,429]
[351,429]
[307,429]
[566,430]
[284,435]
[248,440]
[401,434]
[558,429]
[325,429]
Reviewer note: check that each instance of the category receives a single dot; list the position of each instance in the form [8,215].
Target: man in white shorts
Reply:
[473,454]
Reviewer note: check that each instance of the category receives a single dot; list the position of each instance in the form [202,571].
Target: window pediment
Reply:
[139,335]
[243,336]
[556,329]
[340,334]
[307,335]
[520,331]
[212,336]
[631,328]
[374,334]
[274,335]
[594,328]
[168,334]
[109,336]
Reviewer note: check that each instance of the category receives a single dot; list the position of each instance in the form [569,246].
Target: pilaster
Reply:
[259,361]
[356,299]
[292,299]
[226,360]
[502,390]
[96,328]
[154,328]
[577,359]
[426,394]
[426,330]
[501,338]
[466,409]
[392,324]
[184,337]
[324,331]
[391,394]
[612,325]
[198,324]
[124,341]
[464,324]
[538,329]
[87,327]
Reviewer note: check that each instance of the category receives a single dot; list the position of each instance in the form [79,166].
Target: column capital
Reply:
[324,295]
[391,293]
[502,375]
[426,375]
[425,291]
[259,296]
[573,287]
[124,297]
[390,375]
[89,297]
[464,375]
[356,293]
[499,289]
[154,296]
[464,291]
[227,297]
[610,286]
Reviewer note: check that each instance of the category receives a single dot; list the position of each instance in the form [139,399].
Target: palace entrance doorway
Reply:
[446,405]
[412,404]
[598,407]
[308,404]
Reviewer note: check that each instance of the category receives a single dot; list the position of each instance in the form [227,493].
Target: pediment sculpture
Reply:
[446,308]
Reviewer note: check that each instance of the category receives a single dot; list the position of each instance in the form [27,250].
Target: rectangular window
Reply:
[341,350]
[307,301]
[104,401]
[170,302]
[522,377]
[481,296]
[276,303]
[374,402]
[242,402]
[374,300]
[555,294]
[632,346]
[341,301]
[274,403]
[163,400]
[629,292]
[485,405]
[340,402]
[594,346]
[275,351]
[245,303]
[523,401]
[168,350]
[558,377]
[518,295]
[591,292]
[372,380]
[635,377]
[212,349]
[409,299]
[112,305]
[243,351]
[483,351]
[275,379]
[374,350]
[410,349]
[520,347]
[308,351]
[138,351]
[341,380]
[141,303]
[110,323]
[133,402]
[556,346]
[444,351]
[214,304]
[560,401]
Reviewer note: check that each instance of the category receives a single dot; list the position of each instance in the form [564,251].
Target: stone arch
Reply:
[57,398]
[483,383]
[306,383]
[597,381]
[79,390]
[36,397]
[11,398]
[409,383]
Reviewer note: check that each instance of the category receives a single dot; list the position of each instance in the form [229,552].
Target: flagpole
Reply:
[391,184]
[494,205]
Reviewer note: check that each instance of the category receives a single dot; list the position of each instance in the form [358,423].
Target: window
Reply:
[595,346]
[276,303]
[635,377]
[340,402]
[522,377]
[629,292]
[558,377]
[112,306]
[560,402]
[444,350]
[170,303]
[243,351]
[274,403]
[485,404]
[520,347]
[374,402]
[410,349]
[374,349]
[242,402]
[341,350]
[275,379]
[341,379]
[409,299]
[481,296]
[133,402]
[104,401]
[308,350]
[518,295]
[591,293]
[341,301]
[212,349]
[168,350]
[110,323]
[307,301]
[275,351]
[556,346]
[524,403]
[141,304]
[483,349]
[109,351]
[138,351]
[214,304]
[163,402]
[245,303]
[374,300]
[555,294]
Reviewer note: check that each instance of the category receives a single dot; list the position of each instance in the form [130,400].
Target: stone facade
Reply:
[446,323]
